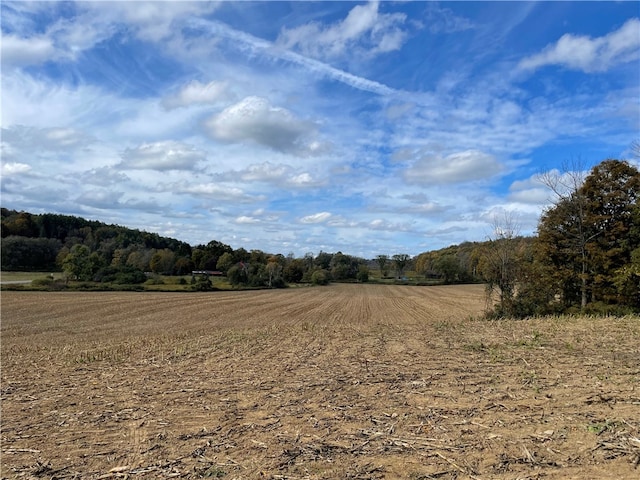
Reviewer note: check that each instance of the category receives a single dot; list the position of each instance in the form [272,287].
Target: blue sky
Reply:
[367,128]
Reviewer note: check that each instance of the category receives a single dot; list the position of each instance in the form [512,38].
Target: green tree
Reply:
[323,260]
[400,260]
[274,270]
[320,277]
[225,262]
[363,273]
[294,270]
[163,261]
[183,266]
[447,267]
[77,264]
[612,190]
[587,239]
[237,276]
[383,265]
[24,253]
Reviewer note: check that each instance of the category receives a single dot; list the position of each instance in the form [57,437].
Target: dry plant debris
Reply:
[340,382]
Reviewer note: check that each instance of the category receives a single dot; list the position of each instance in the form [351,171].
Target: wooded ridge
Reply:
[585,256]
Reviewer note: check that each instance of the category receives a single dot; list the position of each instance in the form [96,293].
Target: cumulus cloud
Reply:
[104,176]
[99,198]
[18,51]
[167,155]
[364,27]
[279,175]
[21,137]
[531,191]
[458,167]
[316,218]
[214,191]
[261,172]
[196,93]
[579,52]
[255,120]
[304,180]
[247,220]
[14,168]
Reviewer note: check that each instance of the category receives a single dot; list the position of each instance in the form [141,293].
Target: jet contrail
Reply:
[246,41]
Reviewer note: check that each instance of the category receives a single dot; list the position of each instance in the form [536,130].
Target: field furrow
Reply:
[344,381]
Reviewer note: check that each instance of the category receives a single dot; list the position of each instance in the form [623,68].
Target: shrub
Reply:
[320,277]
[363,274]
[202,284]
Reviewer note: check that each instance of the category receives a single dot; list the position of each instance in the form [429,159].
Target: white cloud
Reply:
[214,191]
[14,168]
[167,155]
[104,176]
[579,52]
[304,180]
[277,175]
[99,198]
[529,191]
[316,218]
[444,20]
[247,220]
[151,20]
[196,93]
[255,120]
[263,172]
[364,27]
[251,46]
[18,51]
[23,140]
[466,166]
[92,23]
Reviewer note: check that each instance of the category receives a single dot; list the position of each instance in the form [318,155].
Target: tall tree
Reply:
[591,233]
[500,264]
[566,225]
[400,260]
[78,263]
[612,191]
[383,265]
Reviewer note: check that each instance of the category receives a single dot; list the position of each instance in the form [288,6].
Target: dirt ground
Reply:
[338,382]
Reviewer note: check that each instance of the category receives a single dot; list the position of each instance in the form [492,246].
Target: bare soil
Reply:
[339,382]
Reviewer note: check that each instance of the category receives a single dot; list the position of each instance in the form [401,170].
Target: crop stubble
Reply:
[346,381]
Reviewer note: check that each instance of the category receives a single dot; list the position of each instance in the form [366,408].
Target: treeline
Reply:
[93,251]
[584,258]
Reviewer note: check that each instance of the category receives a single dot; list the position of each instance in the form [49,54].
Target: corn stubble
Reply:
[346,381]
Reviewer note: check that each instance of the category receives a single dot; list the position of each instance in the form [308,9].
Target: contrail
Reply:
[245,41]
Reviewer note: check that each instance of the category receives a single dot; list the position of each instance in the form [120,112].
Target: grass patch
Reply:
[25,276]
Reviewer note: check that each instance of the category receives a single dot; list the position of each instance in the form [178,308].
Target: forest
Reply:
[584,258]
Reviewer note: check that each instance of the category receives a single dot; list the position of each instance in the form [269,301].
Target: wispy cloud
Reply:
[254,45]
[581,52]
[18,51]
[320,217]
[196,93]
[364,29]
[397,126]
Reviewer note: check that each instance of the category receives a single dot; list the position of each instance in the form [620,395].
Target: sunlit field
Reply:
[345,381]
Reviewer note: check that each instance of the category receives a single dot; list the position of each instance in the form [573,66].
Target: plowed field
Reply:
[345,381]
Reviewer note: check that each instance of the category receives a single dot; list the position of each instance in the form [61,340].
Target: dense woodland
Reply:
[585,256]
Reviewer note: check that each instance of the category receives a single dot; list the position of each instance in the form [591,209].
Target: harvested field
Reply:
[345,381]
